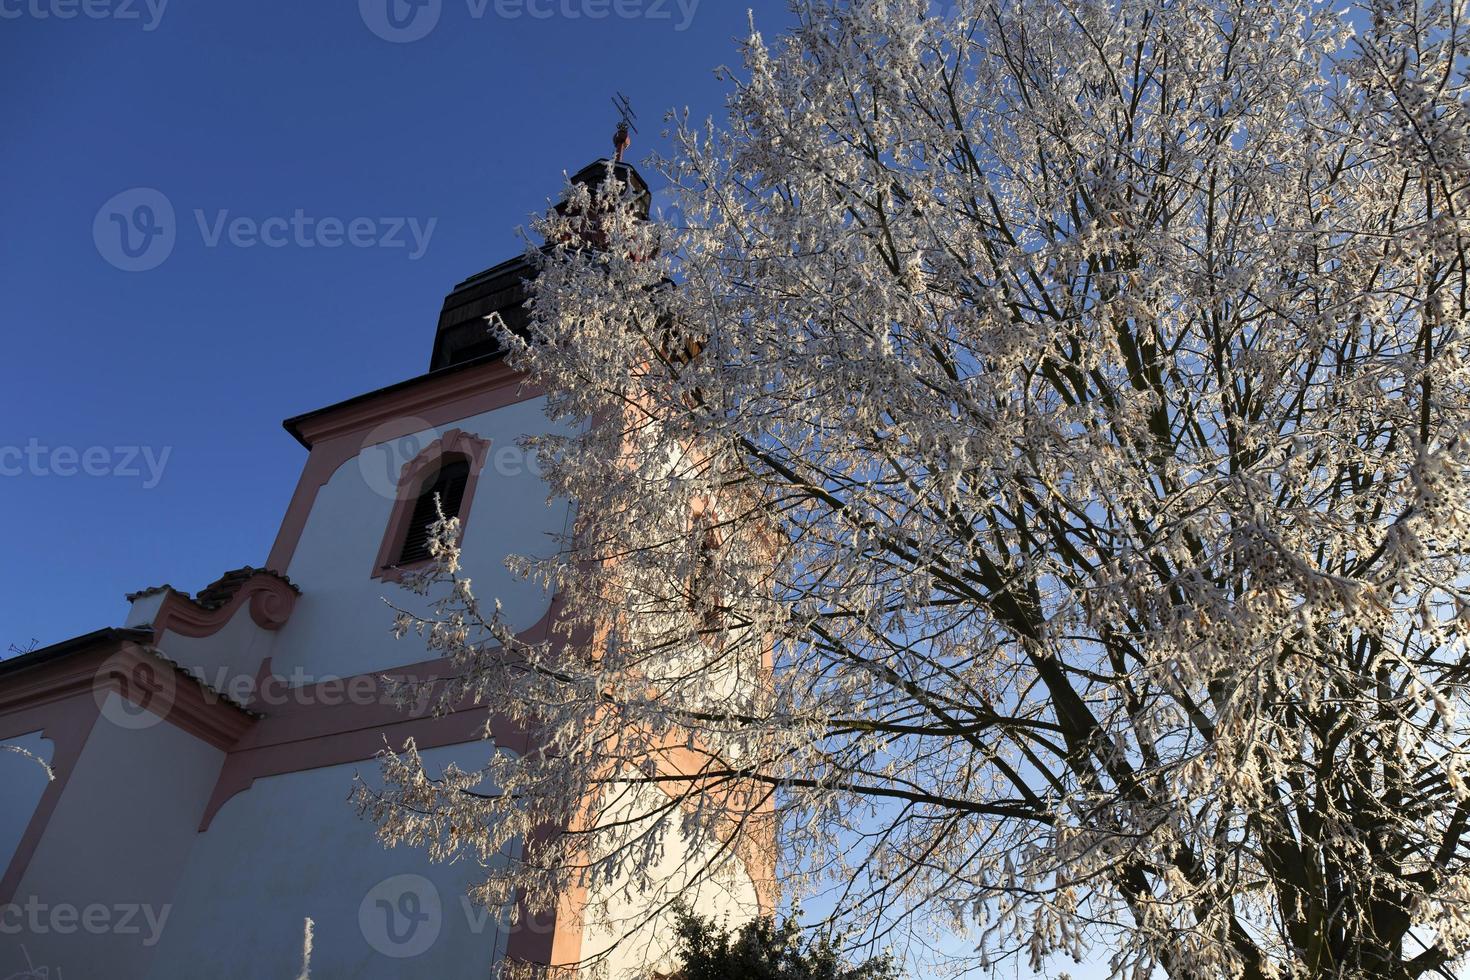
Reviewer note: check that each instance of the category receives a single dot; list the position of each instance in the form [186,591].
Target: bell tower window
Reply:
[447,471]
[447,488]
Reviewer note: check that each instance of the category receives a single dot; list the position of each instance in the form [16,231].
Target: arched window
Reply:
[447,487]
[448,469]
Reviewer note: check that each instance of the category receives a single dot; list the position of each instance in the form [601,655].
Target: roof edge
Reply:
[295,423]
[76,644]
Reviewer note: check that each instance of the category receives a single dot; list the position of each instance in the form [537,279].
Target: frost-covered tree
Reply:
[1034,471]
[27,753]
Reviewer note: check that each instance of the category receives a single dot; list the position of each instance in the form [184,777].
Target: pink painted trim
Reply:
[295,739]
[67,724]
[539,936]
[133,672]
[63,700]
[320,466]
[324,741]
[339,435]
[550,938]
[270,599]
[454,443]
[314,732]
[172,695]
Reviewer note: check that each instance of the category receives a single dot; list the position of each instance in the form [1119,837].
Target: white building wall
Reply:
[232,901]
[226,661]
[293,847]
[620,920]
[341,625]
[22,782]
[98,891]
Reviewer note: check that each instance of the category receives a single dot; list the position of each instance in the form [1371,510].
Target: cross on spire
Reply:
[627,117]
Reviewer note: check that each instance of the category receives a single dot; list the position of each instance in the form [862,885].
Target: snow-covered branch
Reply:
[1037,474]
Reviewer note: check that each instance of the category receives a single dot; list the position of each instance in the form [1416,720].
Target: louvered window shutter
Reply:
[448,484]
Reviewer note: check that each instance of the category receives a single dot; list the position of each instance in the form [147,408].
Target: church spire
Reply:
[621,139]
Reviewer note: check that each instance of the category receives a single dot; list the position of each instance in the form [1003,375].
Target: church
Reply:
[197,820]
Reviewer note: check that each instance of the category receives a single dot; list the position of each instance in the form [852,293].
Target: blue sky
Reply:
[140,437]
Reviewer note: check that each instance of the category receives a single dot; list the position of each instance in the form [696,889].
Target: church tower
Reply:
[205,748]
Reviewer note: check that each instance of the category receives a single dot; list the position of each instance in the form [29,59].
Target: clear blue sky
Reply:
[255,110]
[176,378]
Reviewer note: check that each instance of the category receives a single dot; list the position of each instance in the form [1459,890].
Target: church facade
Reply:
[204,749]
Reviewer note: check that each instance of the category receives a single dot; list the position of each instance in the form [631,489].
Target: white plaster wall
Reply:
[292,847]
[705,677]
[341,625]
[227,661]
[618,912]
[103,876]
[22,781]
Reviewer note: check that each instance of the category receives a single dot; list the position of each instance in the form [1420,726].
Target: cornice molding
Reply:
[413,398]
[270,598]
[142,676]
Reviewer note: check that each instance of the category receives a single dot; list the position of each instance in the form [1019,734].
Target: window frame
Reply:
[412,480]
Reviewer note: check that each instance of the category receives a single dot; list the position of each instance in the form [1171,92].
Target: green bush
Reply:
[763,950]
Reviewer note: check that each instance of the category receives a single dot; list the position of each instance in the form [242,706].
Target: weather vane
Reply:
[627,118]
